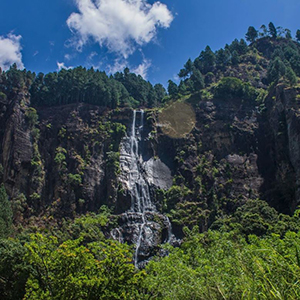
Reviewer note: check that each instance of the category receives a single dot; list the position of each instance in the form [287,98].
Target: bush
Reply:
[231,87]
[75,179]
[60,157]
[219,265]
[31,116]
[5,213]
[71,270]
[3,97]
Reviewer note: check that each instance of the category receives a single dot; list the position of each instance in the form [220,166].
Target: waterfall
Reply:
[140,221]
[139,189]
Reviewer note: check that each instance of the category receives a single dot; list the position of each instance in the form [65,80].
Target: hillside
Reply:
[91,163]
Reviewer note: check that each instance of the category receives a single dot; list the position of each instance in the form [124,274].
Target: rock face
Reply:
[76,158]
[16,146]
[282,148]
[158,174]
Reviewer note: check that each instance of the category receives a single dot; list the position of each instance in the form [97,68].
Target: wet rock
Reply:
[158,174]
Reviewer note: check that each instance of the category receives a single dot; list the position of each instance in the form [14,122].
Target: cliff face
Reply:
[281,149]
[16,145]
[68,161]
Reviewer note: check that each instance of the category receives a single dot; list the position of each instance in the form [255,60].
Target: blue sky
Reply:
[152,38]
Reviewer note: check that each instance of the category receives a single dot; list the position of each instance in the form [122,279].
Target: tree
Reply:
[160,91]
[243,47]
[152,98]
[221,265]
[5,213]
[182,89]
[187,70]
[272,30]
[295,64]
[14,271]
[222,58]
[264,31]
[206,60]
[172,88]
[183,73]
[251,34]
[198,80]
[235,59]
[291,76]
[240,47]
[276,70]
[69,271]
[288,34]
[298,35]
[189,66]
[232,87]
[280,31]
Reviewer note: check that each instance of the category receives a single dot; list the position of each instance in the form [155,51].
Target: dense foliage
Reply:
[231,248]
[81,85]
[271,48]
[218,265]
[213,265]
[5,213]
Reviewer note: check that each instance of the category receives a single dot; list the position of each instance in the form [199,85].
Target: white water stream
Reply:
[140,196]
[142,208]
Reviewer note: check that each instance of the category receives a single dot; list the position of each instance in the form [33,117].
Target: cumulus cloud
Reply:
[120,25]
[10,51]
[63,66]
[118,66]
[143,68]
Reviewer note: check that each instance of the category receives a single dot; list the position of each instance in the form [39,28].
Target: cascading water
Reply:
[140,196]
[141,225]
[138,187]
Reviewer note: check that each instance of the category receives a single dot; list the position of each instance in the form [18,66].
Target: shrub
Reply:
[231,87]
[31,116]
[74,179]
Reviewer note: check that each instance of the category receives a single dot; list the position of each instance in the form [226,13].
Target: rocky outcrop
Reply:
[68,162]
[279,140]
[158,174]
[16,147]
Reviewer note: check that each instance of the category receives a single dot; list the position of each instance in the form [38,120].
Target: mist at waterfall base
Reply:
[142,225]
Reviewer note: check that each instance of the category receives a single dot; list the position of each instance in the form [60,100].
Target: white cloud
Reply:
[63,66]
[176,78]
[120,25]
[10,51]
[118,66]
[68,57]
[92,55]
[143,68]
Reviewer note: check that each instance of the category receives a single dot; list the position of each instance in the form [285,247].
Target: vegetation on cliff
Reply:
[55,222]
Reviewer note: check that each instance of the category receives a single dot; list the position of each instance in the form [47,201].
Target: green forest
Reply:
[231,247]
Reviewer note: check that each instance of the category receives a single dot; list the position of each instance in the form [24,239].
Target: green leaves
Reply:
[71,270]
[251,34]
[218,265]
[31,116]
[13,270]
[5,213]
[231,87]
